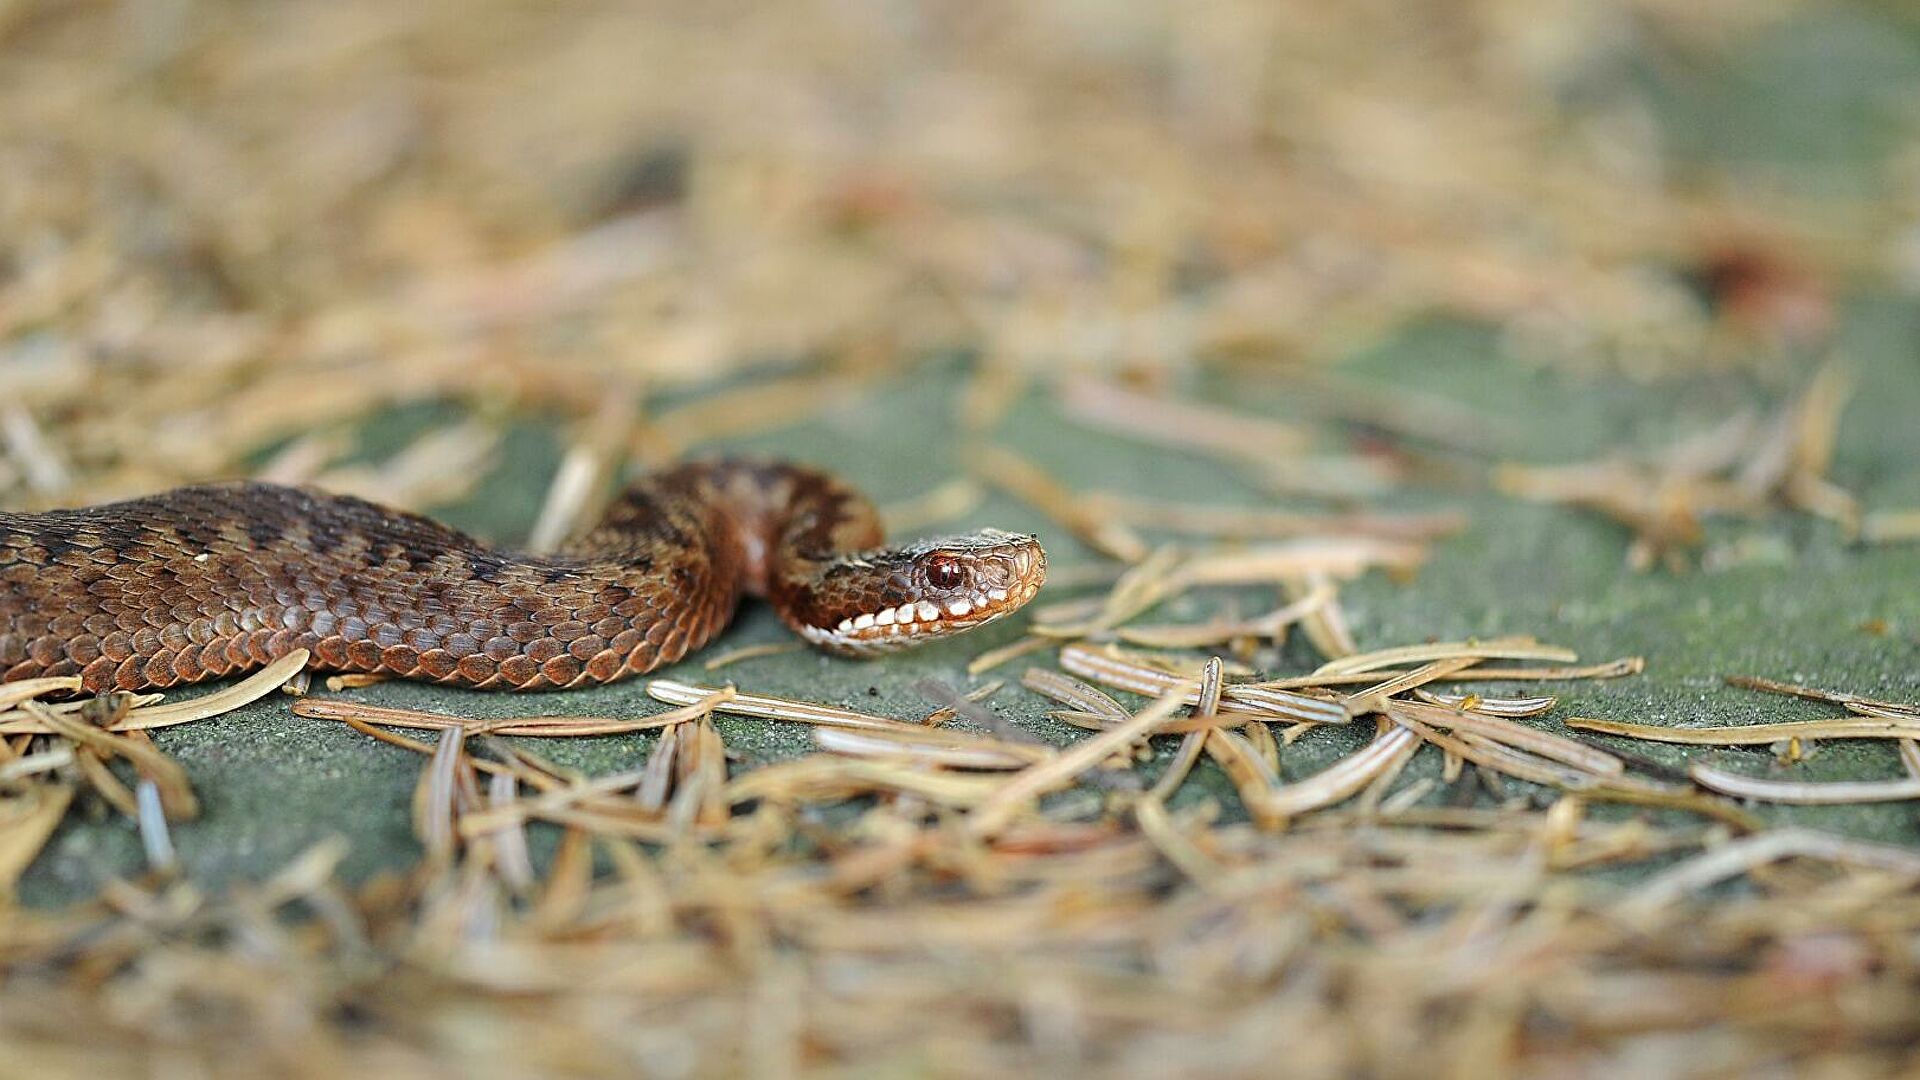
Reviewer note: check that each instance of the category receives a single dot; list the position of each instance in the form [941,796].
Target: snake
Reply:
[216,580]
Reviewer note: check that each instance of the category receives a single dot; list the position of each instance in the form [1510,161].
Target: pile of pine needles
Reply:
[911,898]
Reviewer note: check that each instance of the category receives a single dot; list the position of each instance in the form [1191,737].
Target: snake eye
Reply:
[946,574]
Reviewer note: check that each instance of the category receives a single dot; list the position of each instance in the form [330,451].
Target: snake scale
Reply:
[203,582]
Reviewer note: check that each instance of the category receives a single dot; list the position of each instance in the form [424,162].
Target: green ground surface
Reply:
[1799,608]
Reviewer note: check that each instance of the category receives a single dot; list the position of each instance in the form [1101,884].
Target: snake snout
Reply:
[935,589]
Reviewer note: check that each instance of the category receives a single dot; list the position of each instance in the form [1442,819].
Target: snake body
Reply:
[203,582]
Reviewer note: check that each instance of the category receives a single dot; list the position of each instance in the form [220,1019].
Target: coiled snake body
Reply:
[204,582]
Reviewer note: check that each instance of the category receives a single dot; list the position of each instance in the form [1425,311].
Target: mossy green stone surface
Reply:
[1804,605]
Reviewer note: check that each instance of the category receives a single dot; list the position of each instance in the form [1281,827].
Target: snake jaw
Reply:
[933,589]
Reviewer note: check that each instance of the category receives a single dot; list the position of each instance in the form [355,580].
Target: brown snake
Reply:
[203,582]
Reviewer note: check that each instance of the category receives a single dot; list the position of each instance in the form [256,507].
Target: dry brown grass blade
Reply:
[1374,697]
[1003,738]
[1613,669]
[772,708]
[103,783]
[1145,584]
[1380,800]
[821,777]
[1032,485]
[302,460]
[1735,469]
[438,468]
[18,717]
[1815,425]
[946,502]
[1239,523]
[769,404]
[996,384]
[656,780]
[1206,711]
[954,705]
[1071,692]
[1810,693]
[568,885]
[1804,793]
[434,796]
[146,715]
[1260,737]
[526,726]
[1517,648]
[1755,734]
[1102,667]
[1740,856]
[1101,721]
[1519,736]
[1508,707]
[993,658]
[1325,624]
[1347,777]
[1303,559]
[1490,754]
[41,465]
[1272,625]
[1212,685]
[422,748]
[1890,527]
[175,791]
[1289,706]
[1884,711]
[1402,410]
[224,700]
[1173,844]
[49,760]
[988,754]
[13,693]
[1185,757]
[699,796]
[549,803]
[995,814]
[1249,774]
[510,841]
[581,482]
[1188,425]
[751,652]
[1910,756]
[27,821]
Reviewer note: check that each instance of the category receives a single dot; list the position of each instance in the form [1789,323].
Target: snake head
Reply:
[879,601]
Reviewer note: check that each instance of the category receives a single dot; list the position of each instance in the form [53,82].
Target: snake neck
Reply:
[812,546]
[777,530]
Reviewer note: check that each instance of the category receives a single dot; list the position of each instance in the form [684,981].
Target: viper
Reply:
[203,582]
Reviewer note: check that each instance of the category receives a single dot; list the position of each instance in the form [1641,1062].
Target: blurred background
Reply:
[231,233]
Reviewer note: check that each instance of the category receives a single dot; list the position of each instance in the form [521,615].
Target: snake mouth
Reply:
[991,587]
[916,621]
